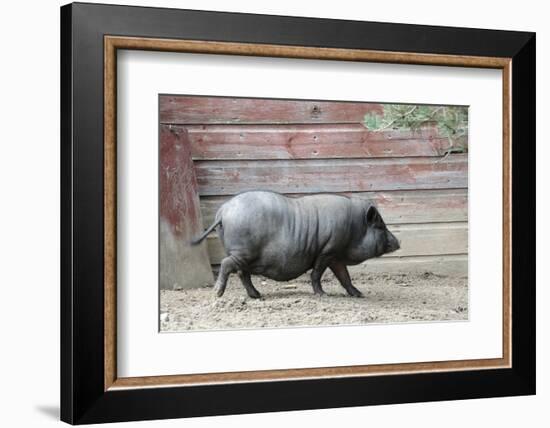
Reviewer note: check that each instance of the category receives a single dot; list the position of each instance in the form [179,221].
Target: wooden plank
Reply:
[178,200]
[455,265]
[408,206]
[319,141]
[335,175]
[181,266]
[431,239]
[416,240]
[179,109]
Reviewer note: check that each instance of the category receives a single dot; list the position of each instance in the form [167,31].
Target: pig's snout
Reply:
[393,243]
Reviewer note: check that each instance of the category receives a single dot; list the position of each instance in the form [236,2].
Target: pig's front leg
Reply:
[340,271]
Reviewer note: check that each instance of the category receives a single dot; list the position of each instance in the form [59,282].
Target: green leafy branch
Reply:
[451,121]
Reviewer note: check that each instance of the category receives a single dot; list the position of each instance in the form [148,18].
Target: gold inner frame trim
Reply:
[113,43]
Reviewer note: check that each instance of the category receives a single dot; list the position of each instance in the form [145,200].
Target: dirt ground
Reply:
[387,298]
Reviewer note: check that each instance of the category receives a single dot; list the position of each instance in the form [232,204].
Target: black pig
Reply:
[266,233]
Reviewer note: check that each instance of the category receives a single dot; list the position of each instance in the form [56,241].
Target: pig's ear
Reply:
[373,216]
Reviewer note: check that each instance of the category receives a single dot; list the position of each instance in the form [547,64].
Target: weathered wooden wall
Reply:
[301,147]
[180,265]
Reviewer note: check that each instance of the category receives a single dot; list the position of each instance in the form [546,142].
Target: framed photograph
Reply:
[266,213]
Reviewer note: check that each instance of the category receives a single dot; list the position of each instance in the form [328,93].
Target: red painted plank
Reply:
[319,141]
[180,264]
[179,203]
[397,207]
[335,175]
[179,109]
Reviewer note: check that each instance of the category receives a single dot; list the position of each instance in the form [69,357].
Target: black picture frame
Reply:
[83,398]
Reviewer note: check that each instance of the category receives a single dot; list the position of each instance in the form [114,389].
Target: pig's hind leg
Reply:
[249,287]
[227,267]
[340,271]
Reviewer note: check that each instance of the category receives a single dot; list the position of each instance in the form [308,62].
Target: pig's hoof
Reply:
[254,294]
[355,293]
[319,293]
[219,291]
